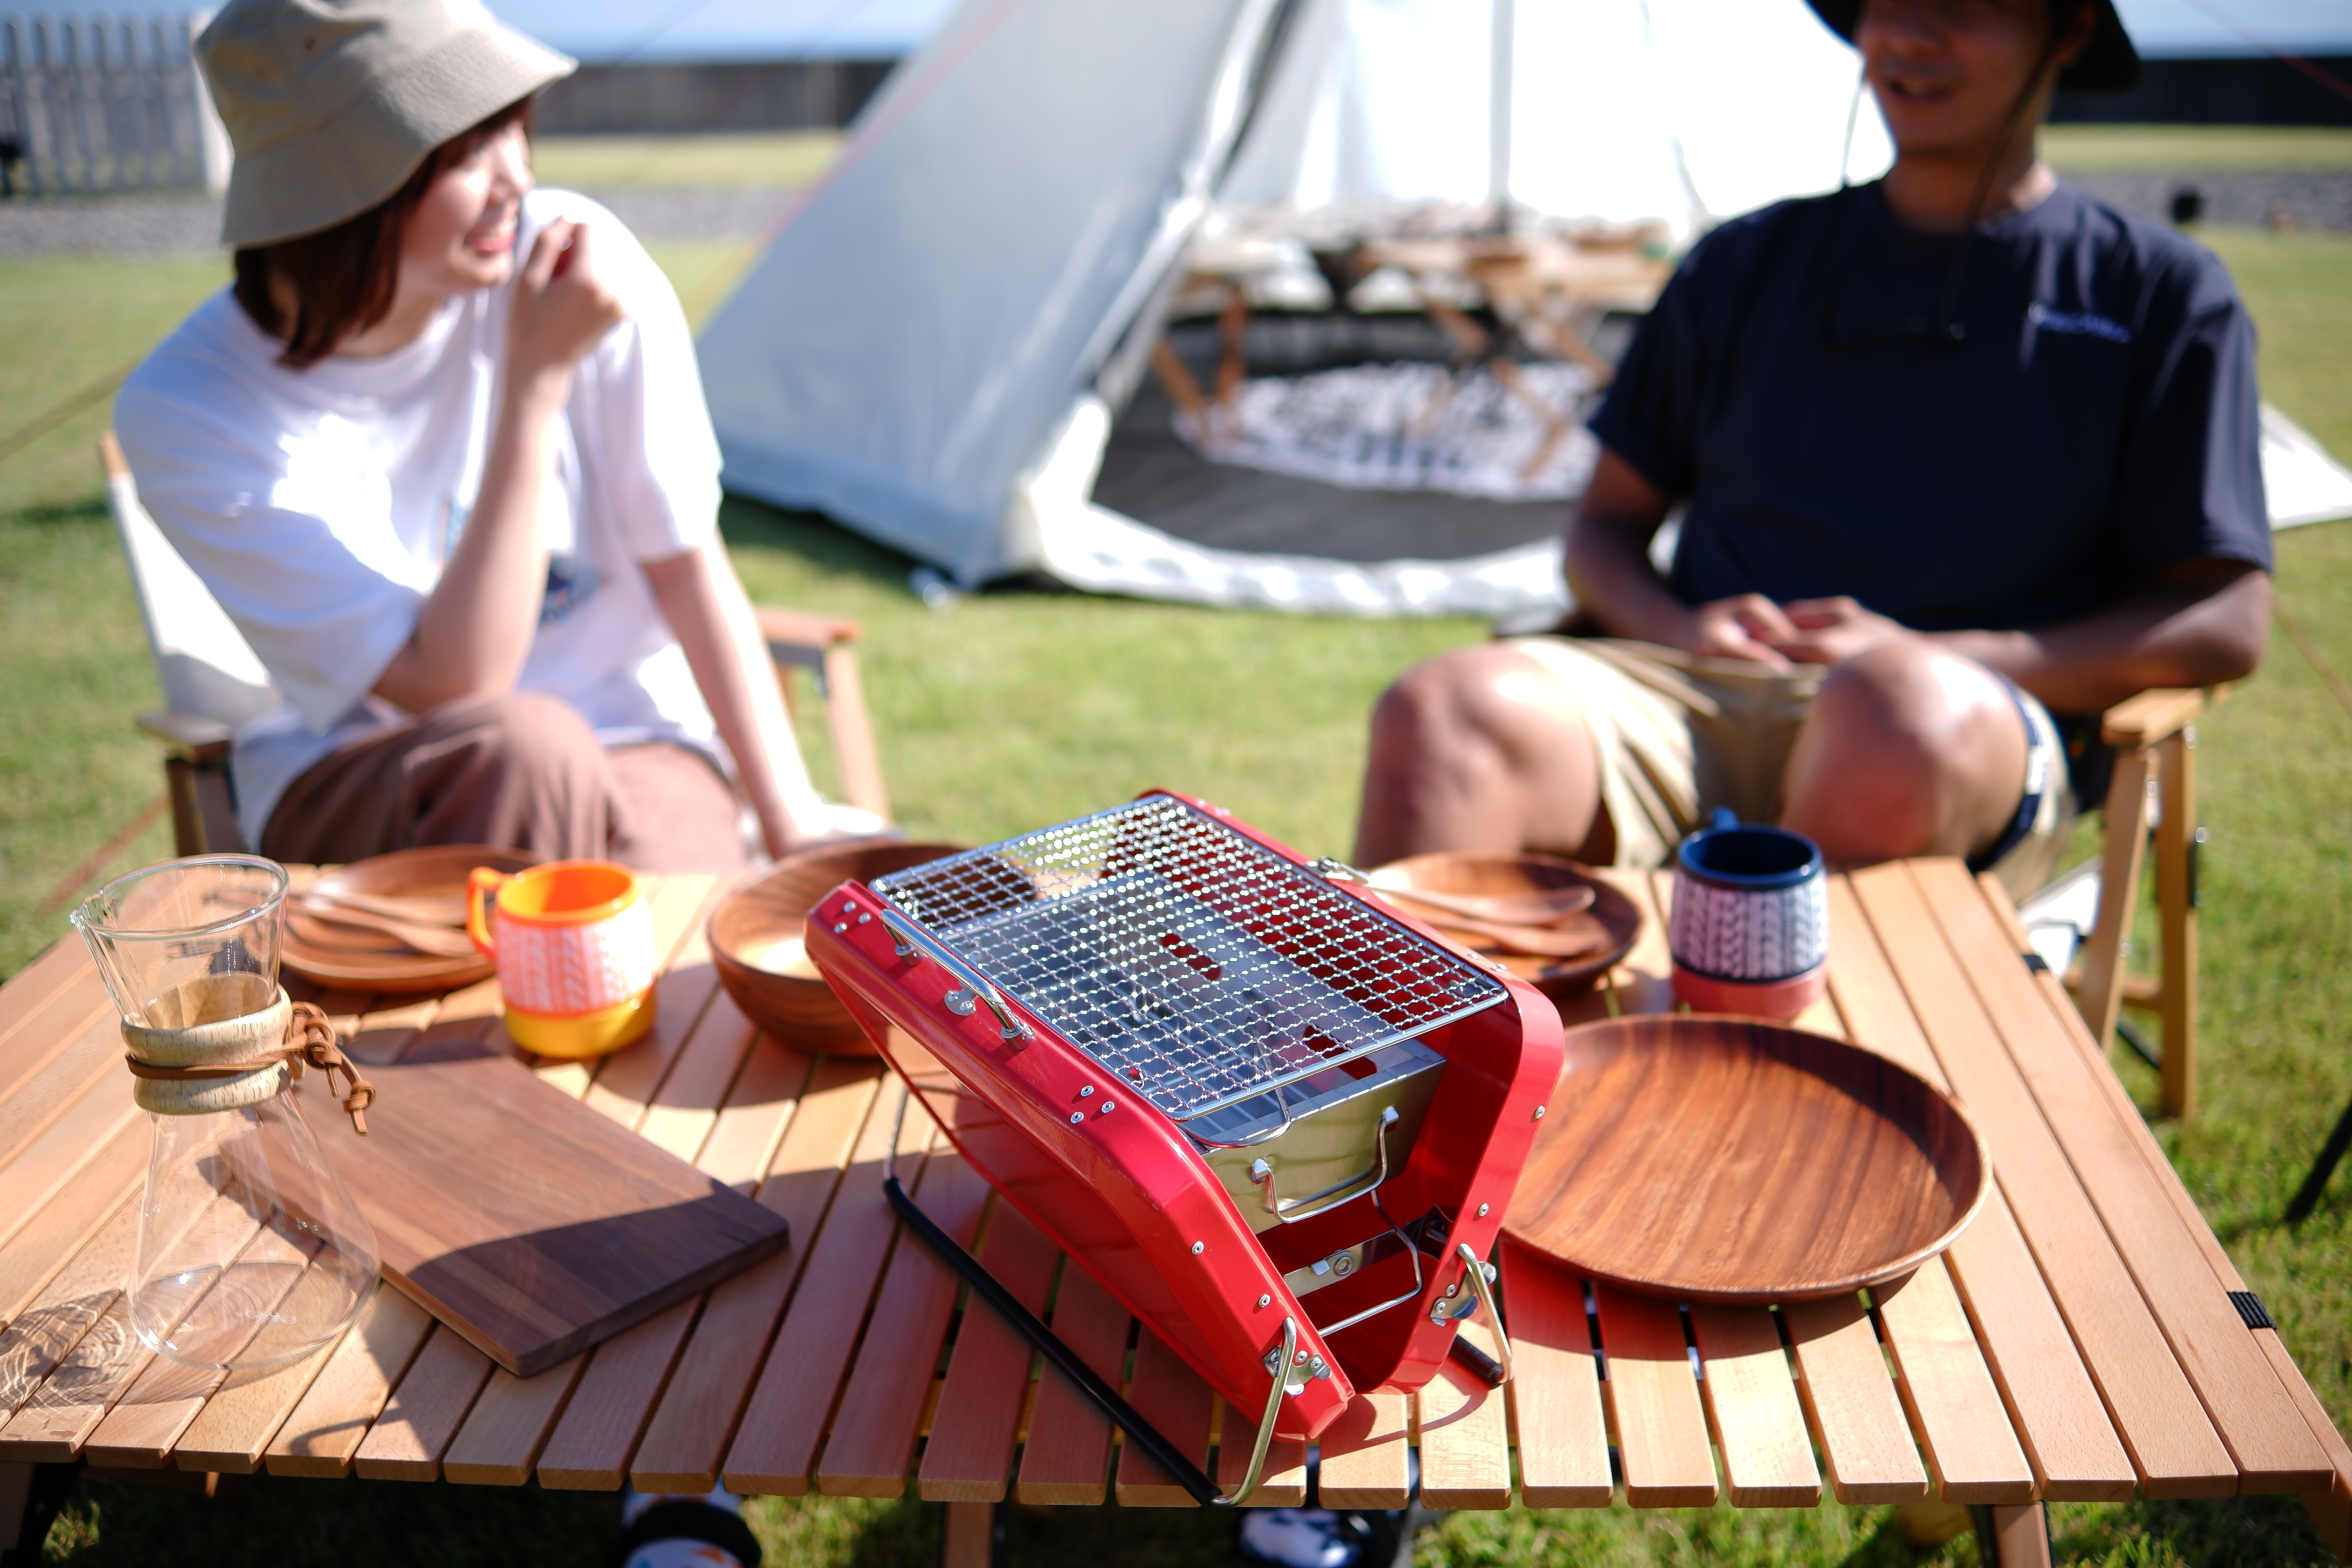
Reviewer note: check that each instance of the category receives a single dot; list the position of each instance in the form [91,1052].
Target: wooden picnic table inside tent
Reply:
[2086,1337]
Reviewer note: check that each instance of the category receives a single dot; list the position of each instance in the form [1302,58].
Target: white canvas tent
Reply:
[931,348]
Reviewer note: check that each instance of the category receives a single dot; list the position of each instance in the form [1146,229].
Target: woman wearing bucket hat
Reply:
[1961,457]
[441,452]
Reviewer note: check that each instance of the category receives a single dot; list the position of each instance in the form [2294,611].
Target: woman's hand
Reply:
[561,310]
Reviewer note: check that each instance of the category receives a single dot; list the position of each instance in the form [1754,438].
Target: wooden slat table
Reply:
[2081,1340]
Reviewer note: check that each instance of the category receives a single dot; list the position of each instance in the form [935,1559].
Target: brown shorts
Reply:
[1679,735]
[518,770]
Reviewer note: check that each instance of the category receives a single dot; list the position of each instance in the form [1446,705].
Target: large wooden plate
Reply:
[1711,1159]
[434,870]
[1614,918]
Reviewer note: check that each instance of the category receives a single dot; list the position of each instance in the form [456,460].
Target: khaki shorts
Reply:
[1678,736]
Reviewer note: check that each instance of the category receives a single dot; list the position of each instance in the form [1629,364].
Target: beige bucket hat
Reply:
[331,104]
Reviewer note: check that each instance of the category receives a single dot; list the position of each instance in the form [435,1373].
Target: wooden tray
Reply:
[530,1224]
[1711,1159]
[433,870]
[1492,876]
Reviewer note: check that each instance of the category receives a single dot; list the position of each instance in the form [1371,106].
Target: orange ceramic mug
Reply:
[573,942]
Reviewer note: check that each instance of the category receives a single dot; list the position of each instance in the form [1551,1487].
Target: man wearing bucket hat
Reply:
[441,453]
[1961,456]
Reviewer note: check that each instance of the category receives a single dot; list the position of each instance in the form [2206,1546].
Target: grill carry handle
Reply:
[1139,1431]
[917,943]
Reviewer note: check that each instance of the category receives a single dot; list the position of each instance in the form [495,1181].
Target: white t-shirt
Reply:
[320,505]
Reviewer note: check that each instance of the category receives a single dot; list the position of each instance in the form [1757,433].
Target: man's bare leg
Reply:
[1908,750]
[1480,749]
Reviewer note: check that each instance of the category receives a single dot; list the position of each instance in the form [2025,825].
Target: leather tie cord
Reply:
[310,1038]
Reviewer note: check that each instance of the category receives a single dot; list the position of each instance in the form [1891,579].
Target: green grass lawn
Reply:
[2191,149]
[1013,710]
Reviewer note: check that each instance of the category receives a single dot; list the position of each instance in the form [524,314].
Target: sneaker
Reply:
[1304,1538]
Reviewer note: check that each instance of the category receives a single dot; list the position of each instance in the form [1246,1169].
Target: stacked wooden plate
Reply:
[1551,922]
[393,922]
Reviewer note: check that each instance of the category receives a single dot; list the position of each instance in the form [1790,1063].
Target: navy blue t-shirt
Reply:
[2096,422]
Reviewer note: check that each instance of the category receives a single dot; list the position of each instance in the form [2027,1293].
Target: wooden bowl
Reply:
[1715,1159]
[433,871]
[1492,876]
[791,1000]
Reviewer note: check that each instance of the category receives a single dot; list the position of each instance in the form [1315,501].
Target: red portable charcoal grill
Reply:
[1278,1120]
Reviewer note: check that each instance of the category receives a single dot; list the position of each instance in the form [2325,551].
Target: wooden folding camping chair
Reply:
[213,681]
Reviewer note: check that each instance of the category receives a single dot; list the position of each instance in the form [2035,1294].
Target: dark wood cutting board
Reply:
[529,1223]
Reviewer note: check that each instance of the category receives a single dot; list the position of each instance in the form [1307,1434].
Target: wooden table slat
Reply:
[590,1447]
[57,1231]
[2053,1406]
[697,1418]
[1169,1394]
[45,1332]
[1555,1388]
[333,1416]
[1948,1391]
[873,1438]
[970,1450]
[755,1112]
[1642,981]
[1465,1440]
[1851,1402]
[1283,1481]
[1653,1403]
[63,968]
[627,1082]
[145,1424]
[236,1424]
[1365,1462]
[1068,1448]
[1751,1406]
[429,1405]
[2266,1434]
[776,1448]
[72,1042]
[46,1162]
[2156,1413]
[685,1109]
[74,1398]
[509,1424]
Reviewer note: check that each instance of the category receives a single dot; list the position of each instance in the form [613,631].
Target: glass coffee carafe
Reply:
[250,1249]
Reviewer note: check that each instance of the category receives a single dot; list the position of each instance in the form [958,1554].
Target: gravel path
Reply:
[159,226]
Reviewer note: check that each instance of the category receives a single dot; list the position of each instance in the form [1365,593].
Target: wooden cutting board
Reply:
[530,1224]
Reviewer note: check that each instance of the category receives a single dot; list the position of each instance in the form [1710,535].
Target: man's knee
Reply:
[1488,693]
[1915,744]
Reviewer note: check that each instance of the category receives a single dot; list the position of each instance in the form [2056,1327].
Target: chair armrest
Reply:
[190,736]
[2158,714]
[793,628]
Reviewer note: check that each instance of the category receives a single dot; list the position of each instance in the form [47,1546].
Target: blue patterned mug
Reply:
[1750,927]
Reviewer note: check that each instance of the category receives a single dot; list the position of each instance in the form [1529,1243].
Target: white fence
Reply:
[103,102]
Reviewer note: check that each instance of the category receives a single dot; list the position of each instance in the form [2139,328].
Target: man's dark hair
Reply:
[344,278]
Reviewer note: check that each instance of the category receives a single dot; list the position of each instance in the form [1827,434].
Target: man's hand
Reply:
[1831,631]
[1746,627]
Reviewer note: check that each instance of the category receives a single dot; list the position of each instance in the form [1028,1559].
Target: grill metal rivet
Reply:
[840,927]
[1539,1111]
[1481,1211]
[1078,1116]
[1199,1248]
[1109,1106]
[1086,1091]
[863,918]
[1265,1301]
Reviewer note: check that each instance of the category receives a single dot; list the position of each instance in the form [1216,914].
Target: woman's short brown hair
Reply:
[343,280]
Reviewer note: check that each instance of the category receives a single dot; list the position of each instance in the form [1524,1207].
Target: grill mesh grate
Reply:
[1197,966]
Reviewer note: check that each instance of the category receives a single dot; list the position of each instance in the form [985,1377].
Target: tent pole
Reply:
[1499,119]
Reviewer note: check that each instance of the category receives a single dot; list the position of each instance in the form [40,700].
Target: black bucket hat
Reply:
[2109,64]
